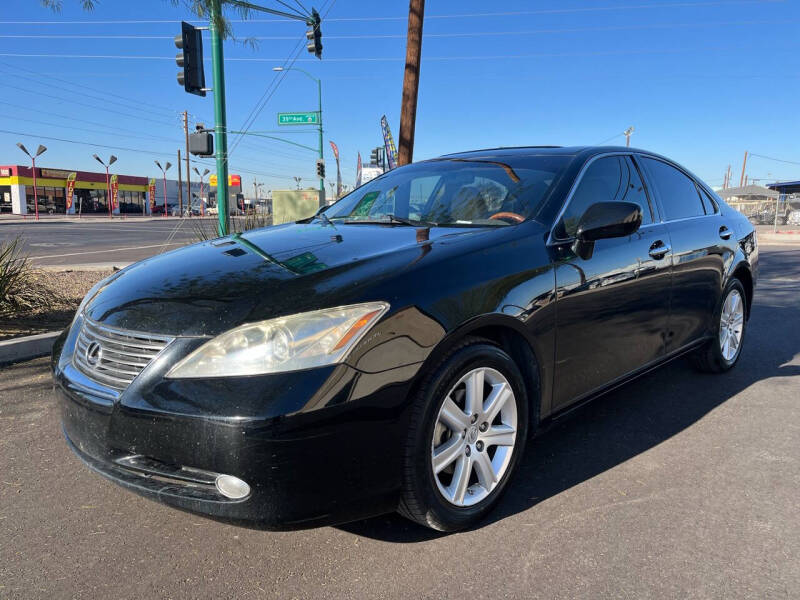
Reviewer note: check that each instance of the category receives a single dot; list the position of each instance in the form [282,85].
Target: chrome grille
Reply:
[114,357]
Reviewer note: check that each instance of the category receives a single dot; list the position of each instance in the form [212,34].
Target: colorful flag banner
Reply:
[388,142]
[70,189]
[151,190]
[338,171]
[114,191]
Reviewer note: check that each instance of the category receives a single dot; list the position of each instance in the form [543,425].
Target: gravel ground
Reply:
[67,289]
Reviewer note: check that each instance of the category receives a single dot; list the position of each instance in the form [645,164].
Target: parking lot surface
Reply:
[676,485]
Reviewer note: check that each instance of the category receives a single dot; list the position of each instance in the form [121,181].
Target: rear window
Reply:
[679,196]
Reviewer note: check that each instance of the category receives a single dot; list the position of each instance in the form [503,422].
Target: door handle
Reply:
[725,233]
[659,250]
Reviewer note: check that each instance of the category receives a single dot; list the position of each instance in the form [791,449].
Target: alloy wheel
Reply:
[474,437]
[731,325]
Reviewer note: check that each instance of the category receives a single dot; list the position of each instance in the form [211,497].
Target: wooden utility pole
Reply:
[727,183]
[188,170]
[180,186]
[744,165]
[408,109]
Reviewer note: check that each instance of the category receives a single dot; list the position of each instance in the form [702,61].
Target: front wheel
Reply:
[468,430]
[722,351]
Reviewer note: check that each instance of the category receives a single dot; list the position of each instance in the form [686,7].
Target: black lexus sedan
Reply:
[396,351]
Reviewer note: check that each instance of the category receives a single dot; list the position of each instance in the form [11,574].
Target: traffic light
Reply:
[320,168]
[192,78]
[374,157]
[314,34]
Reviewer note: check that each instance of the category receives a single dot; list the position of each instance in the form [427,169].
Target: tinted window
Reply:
[678,193]
[609,179]
[708,203]
[459,191]
[634,190]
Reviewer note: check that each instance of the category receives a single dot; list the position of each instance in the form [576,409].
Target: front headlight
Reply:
[301,341]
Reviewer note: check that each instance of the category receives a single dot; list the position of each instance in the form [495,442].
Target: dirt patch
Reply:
[68,289]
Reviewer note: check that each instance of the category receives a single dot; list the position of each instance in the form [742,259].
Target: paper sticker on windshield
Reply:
[365,205]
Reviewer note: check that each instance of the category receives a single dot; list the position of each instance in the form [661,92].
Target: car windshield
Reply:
[454,192]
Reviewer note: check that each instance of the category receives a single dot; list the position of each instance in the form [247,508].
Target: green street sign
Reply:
[298,118]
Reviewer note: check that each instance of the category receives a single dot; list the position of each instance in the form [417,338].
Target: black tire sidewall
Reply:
[440,513]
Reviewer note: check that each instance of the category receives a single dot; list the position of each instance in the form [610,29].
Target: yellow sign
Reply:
[233,180]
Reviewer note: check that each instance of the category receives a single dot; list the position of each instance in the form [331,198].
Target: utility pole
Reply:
[408,109]
[744,165]
[627,133]
[180,186]
[188,170]
[220,120]
[727,180]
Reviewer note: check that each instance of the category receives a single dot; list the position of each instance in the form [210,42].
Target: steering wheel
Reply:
[508,215]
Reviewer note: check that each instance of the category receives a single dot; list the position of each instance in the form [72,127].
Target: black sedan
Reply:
[396,351]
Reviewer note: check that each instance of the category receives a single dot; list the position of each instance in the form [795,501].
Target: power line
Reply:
[618,7]
[780,160]
[428,58]
[691,25]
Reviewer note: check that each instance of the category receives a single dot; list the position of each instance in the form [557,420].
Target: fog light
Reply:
[231,487]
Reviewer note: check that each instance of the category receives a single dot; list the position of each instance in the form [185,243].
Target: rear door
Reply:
[612,308]
[701,241]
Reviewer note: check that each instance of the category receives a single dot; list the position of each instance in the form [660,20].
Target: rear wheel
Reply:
[722,351]
[468,430]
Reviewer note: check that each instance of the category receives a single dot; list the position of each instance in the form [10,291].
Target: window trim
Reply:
[552,240]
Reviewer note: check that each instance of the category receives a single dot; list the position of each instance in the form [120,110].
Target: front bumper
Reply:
[316,447]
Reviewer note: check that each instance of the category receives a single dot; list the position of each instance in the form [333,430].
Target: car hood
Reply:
[212,286]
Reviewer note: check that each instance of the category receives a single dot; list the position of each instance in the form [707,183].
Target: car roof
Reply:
[544,150]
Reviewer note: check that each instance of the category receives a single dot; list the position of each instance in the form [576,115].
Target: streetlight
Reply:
[202,201]
[298,180]
[319,123]
[112,159]
[164,170]
[39,151]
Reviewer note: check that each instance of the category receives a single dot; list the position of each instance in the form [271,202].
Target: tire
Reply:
[713,357]
[484,450]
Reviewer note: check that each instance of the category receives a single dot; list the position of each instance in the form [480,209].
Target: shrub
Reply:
[20,290]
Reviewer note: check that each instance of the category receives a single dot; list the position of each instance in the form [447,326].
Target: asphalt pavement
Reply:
[101,242]
[678,485]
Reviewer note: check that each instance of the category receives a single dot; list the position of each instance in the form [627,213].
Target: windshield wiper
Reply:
[392,220]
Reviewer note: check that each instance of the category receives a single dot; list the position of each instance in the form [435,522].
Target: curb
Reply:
[25,348]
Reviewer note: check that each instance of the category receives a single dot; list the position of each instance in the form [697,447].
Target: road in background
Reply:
[676,485]
[102,242]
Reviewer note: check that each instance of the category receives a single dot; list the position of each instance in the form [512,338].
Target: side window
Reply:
[601,182]
[634,190]
[708,202]
[679,196]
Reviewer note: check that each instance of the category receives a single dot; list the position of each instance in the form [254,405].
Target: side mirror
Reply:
[609,220]
[605,220]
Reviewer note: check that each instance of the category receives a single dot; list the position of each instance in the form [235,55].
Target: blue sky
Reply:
[702,81]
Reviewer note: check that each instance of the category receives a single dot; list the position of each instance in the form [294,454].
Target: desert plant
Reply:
[205,229]
[19,288]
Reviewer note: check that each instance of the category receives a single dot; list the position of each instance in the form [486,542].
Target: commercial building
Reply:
[89,192]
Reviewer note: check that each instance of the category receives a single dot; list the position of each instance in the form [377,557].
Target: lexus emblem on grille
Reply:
[93,353]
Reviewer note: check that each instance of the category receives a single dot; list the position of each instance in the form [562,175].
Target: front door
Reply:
[612,308]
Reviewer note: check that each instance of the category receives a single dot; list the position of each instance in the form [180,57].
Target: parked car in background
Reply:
[794,218]
[158,209]
[397,350]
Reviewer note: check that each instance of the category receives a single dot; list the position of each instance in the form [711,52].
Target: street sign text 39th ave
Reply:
[298,118]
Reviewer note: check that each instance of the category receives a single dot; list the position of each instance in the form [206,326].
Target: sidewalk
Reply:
[93,219]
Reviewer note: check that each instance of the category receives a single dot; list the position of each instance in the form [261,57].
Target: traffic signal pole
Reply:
[220,121]
[321,156]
